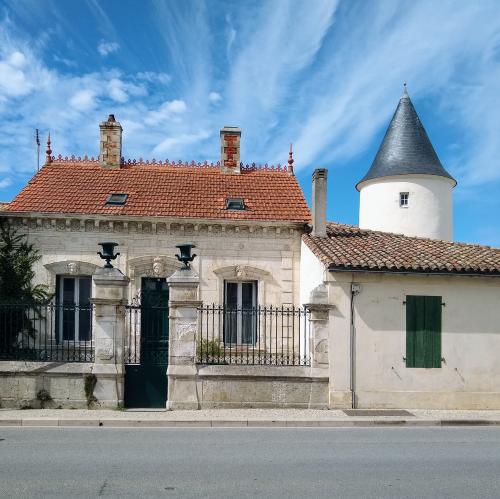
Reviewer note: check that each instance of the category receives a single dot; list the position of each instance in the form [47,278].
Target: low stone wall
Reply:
[26,385]
[261,386]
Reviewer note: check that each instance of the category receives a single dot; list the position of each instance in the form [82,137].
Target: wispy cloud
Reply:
[106,48]
[324,75]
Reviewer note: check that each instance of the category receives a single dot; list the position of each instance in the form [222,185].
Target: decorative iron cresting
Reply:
[175,164]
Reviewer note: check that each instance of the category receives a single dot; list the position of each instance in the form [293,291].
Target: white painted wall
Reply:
[312,273]
[470,375]
[429,212]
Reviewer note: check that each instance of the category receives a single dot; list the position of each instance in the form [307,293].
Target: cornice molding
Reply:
[34,222]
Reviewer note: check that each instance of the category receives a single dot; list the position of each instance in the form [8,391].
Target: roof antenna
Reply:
[37,139]
[290,160]
[48,152]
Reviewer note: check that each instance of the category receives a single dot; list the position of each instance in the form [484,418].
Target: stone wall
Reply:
[34,385]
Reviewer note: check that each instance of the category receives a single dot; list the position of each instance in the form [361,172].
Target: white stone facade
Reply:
[268,253]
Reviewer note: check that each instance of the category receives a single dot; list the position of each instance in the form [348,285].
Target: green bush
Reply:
[209,350]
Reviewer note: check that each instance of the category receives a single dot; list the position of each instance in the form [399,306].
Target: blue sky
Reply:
[325,75]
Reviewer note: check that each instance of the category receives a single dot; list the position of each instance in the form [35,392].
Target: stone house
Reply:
[245,222]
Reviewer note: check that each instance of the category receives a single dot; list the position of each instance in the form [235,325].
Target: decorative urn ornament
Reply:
[108,253]
[185,257]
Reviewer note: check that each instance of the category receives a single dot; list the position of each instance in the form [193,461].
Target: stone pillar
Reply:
[108,331]
[320,326]
[183,326]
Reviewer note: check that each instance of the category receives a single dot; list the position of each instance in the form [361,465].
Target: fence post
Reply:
[320,326]
[108,333]
[183,326]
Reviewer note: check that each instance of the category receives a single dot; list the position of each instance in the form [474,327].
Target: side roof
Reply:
[164,190]
[406,148]
[348,248]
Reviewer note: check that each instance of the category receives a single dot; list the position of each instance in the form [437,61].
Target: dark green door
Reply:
[146,371]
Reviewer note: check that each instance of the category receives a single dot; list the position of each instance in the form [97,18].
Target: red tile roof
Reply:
[3,205]
[163,190]
[349,248]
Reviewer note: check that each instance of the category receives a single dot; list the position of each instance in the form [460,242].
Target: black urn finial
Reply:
[185,257]
[108,253]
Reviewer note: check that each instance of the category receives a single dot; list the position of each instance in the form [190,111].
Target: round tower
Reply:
[406,189]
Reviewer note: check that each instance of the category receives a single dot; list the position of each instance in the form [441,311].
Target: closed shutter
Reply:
[423,331]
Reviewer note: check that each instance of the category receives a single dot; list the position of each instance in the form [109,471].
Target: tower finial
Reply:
[48,152]
[290,159]
[405,91]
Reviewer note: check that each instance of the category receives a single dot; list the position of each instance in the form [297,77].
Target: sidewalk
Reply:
[245,417]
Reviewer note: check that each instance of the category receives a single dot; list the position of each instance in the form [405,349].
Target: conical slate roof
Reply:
[406,148]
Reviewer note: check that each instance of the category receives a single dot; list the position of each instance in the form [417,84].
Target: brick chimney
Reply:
[230,149]
[319,202]
[110,152]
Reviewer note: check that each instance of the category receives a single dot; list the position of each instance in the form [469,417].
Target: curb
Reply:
[243,423]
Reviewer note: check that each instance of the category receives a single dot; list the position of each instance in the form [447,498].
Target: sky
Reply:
[325,75]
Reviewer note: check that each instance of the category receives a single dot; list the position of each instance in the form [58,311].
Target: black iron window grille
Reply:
[277,336]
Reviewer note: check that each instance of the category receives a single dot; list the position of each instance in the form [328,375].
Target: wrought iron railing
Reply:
[50,332]
[276,336]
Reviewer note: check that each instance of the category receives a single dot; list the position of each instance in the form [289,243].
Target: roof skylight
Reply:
[117,199]
[235,204]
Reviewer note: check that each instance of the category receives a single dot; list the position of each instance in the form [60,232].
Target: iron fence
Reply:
[51,332]
[277,336]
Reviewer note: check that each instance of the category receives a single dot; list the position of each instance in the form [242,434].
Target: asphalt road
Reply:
[250,462]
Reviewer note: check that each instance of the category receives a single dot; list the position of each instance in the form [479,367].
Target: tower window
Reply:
[403,199]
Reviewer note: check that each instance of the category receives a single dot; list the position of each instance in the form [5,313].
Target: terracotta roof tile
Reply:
[163,190]
[350,248]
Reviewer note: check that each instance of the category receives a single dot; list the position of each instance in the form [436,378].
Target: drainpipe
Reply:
[355,290]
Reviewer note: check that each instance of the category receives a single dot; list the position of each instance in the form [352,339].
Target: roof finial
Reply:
[405,91]
[290,159]
[48,152]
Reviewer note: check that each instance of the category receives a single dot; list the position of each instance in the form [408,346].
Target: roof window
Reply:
[235,204]
[116,199]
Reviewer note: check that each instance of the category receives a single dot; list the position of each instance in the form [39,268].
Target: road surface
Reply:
[250,462]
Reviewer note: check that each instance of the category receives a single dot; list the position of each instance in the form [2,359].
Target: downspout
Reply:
[355,290]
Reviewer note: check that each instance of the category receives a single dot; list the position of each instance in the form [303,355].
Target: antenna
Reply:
[37,138]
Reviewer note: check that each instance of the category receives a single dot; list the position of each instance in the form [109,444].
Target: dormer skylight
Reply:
[235,204]
[116,199]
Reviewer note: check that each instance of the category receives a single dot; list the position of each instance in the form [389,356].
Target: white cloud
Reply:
[117,90]
[13,81]
[214,97]
[152,77]
[83,100]
[172,144]
[5,182]
[166,111]
[105,48]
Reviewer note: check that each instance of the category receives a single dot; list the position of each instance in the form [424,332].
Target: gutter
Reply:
[333,268]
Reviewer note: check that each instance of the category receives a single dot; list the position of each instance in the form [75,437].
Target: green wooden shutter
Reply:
[433,331]
[423,331]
